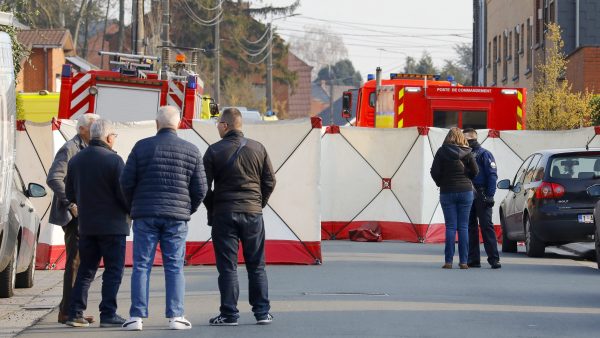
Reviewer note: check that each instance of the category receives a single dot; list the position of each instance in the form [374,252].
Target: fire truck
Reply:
[134,88]
[412,100]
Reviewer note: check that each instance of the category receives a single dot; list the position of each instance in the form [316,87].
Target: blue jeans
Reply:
[457,208]
[171,234]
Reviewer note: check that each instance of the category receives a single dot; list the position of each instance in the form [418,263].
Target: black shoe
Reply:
[114,321]
[265,319]
[474,265]
[496,265]
[221,320]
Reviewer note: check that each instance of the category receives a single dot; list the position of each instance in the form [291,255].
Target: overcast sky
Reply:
[383,32]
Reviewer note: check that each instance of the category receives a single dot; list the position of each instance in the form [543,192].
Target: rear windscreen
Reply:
[575,167]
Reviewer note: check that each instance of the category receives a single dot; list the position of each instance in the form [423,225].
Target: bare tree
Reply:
[78,22]
[319,47]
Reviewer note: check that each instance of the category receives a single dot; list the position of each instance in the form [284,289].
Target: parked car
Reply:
[19,235]
[594,191]
[548,202]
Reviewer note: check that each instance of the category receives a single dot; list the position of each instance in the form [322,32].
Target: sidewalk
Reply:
[28,306]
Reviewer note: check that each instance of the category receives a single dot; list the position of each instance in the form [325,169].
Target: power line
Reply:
[208,8]
[380,25]
[192,15]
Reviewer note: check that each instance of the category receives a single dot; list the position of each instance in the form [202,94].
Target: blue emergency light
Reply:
[370,77]
[66,71]
[191,82]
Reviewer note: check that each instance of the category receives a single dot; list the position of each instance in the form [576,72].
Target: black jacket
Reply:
[93,184]
[453,168]
[248,183]
[164,177]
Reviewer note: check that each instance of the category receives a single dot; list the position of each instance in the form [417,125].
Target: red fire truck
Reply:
[409,100]
[134,89]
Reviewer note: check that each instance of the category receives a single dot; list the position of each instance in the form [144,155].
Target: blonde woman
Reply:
[452,170]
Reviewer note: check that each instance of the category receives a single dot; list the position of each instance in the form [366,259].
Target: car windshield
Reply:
[576,167]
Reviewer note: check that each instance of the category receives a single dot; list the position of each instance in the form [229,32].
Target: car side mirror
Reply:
[36,190]
[594,190]
[347,105]
[503,184]
[214,109]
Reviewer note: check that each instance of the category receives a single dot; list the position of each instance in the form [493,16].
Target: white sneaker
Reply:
[133,324]
[179,323]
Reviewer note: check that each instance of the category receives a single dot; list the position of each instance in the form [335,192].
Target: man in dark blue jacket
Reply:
[93,184]
[481,211]
[164,183]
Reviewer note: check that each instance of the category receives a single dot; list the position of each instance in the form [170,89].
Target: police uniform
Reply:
[485,186]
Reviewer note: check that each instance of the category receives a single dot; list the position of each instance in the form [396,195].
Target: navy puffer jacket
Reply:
[164,177]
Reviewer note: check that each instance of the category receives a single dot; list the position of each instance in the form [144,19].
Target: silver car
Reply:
[19,237]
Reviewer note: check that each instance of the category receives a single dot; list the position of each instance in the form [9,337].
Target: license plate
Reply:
[586,218]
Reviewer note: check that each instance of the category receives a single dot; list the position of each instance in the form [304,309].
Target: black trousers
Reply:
[71,265]
[92,249]
[228,229]
[481,217]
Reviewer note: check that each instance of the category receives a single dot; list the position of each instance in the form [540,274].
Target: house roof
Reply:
[50,38]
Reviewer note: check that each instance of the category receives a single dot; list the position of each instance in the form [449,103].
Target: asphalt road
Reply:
[388,289]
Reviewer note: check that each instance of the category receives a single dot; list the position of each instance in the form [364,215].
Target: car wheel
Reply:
[507,244]
[25,278]
[8,276]
[533,246]
[597,238]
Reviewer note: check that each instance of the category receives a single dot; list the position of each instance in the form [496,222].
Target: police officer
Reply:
[481,211]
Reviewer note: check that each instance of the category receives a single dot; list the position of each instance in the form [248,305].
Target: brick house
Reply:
[49,50]
[509,40]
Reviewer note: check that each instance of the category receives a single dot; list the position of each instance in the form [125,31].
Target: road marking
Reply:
[329,305]
[415,258]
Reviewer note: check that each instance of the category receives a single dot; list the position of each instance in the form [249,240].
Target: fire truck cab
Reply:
[134,89]
[411,100]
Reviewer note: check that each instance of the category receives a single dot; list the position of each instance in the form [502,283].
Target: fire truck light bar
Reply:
[509,91]
[412,89]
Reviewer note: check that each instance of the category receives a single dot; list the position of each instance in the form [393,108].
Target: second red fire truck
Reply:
[410,100]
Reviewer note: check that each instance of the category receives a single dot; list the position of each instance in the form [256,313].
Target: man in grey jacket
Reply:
[63,212]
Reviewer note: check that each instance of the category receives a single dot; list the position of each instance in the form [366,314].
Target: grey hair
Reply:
[86,119]
[101,129]
[168,117]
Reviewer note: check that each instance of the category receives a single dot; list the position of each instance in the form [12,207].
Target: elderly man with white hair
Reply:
[164,183]
[63,212]
[93,183]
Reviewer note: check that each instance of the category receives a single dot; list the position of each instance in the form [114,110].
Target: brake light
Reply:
[549,190]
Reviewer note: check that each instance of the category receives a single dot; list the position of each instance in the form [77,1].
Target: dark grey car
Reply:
[548,201]
[19,237]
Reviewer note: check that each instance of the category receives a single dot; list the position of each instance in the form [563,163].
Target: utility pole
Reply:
[138,26]
[217,58]
[270,70]
[165,23]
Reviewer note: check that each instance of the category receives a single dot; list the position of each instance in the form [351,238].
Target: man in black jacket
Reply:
[244,179]
[93,184]
[164,182]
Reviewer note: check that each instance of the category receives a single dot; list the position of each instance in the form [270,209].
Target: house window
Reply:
[516,59]
[529,40]
[522,46]
[510,44]
[495,65]
[504,57]
[552,10]
[489,63]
